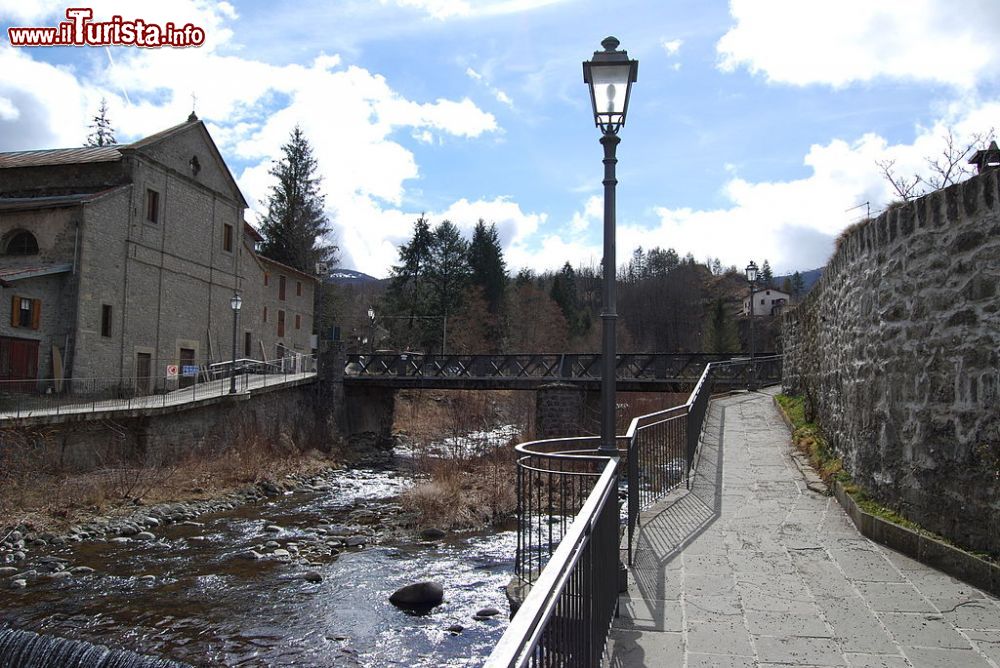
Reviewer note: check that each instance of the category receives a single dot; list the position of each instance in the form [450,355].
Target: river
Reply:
[197,592]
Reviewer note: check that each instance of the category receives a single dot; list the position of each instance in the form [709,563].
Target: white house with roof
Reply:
[767,301]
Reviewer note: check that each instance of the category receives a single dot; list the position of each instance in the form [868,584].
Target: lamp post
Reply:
[235,303]
[610,75]
[751,280]
[371,320]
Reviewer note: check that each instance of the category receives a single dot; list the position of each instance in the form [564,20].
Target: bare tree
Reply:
[947,168]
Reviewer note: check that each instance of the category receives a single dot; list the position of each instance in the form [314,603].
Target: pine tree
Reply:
[489,270]
[295,225]
[448,272]
[102,133]
[720,332]
[798,285]
[766,276]
[409,291]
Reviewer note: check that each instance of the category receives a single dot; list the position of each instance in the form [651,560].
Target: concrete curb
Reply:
[927,550]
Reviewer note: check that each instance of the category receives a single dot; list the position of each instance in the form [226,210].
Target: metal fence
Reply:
[65,396]
[564,495]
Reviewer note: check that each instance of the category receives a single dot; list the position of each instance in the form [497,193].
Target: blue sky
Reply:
[753,126]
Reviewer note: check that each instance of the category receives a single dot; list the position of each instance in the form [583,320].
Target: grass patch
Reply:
[808,438]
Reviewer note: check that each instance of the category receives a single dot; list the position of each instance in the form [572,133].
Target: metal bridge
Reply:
[636,372]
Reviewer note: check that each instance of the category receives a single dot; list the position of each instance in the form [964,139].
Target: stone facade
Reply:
[897,350]
[145,245]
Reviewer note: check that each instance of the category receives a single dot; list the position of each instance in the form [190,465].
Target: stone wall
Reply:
[897,351]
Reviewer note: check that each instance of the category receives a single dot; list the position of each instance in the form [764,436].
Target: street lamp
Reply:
[751,280]
[610,75]
[371,319]
[235,303]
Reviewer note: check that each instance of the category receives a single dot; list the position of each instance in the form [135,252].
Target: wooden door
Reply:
[186,362]
[143,372]
[18,364]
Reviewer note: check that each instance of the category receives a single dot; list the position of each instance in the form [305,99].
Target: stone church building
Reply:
[121,262]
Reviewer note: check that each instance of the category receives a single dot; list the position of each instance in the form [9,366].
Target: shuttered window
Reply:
[25,312]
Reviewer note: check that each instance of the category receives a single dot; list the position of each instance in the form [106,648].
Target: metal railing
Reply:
[555,366]
[563,496]
[564,620]
[67,396]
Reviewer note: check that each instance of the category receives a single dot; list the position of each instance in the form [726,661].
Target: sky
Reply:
[753,130]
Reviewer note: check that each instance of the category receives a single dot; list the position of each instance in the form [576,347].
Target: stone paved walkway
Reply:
[750,568]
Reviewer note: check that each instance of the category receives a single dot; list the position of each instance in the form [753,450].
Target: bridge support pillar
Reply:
[559,410]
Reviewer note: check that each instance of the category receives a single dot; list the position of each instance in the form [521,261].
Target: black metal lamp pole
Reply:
[610,75]
[235,303]
[371,337]
[752,280]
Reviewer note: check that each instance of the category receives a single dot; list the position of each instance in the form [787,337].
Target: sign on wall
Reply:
[171,371]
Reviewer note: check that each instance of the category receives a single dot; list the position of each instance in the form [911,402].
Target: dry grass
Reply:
[468,480]
[42,492]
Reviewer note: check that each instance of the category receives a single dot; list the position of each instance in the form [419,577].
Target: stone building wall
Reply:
[897,350]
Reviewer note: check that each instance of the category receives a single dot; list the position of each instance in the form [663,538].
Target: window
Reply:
[246,345]
[105,319]
[267,278]
[227,238]
[298,321]
[25,312]
[281,323]
[22,243]
[298,288]
[152,206]
[281,288]
[265,314]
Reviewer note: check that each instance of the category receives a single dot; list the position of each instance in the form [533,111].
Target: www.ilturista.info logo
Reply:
[80,30]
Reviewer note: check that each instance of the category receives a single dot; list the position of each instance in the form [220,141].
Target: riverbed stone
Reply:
[147,578]
[356,541]
[455,629]
[418,594]
[272,528]
[120,539]
[18,583]
[252,555]
[144,535]
[280,552]
[488,611]
[81,570]
[7,571]
[432,533]
[312,576]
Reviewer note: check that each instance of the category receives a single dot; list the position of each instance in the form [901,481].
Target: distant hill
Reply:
[809,279]
[349,276]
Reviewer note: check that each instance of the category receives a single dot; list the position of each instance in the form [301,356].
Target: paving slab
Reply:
[750,567]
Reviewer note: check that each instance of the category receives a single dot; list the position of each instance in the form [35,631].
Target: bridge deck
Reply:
[751,568]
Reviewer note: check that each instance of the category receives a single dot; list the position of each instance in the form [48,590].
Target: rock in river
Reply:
[418,595]
[432,533]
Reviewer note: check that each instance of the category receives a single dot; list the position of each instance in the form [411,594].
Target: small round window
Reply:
[22,243]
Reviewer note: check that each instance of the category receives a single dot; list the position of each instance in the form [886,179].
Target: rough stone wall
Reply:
[897,349]
[285,420]
[559,410]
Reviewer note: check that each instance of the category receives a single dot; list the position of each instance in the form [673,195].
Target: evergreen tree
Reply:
[409,292]
[489,271]
[524,277]
[448,272]
[102,133]
[786,285]
[766,276]
[720,331]
[798,285]
[295,225]
[564,294]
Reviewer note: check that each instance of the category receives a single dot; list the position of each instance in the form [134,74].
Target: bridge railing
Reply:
[65,396]
[563,496]
[555,366]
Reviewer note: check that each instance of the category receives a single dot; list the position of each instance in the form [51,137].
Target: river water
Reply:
[191,594]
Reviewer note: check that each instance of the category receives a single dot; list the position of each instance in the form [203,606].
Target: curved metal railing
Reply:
[569,529]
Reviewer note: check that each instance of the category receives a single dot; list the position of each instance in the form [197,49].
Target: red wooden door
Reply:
[18,364]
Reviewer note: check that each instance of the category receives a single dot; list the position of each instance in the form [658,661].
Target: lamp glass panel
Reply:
[610,84]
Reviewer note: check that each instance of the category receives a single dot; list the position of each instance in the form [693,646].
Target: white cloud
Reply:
[447,9]
[837,43]
[500,95]
[8,112]
[672,46]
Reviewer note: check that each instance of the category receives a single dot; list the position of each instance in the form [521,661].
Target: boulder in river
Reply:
[432,533]
[418,595]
